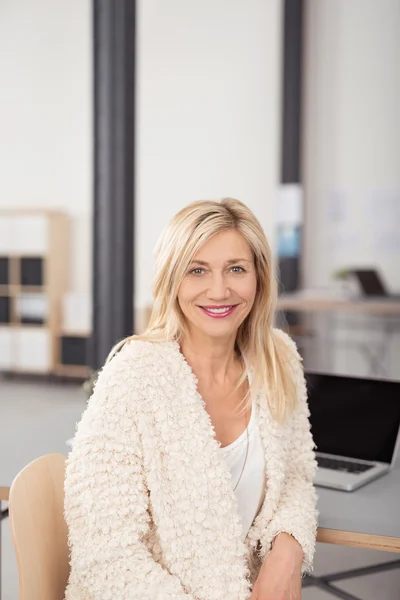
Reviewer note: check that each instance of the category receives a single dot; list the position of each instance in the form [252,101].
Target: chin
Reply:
[218,330]
[221,334]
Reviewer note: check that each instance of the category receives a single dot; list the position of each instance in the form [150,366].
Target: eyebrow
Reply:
[228,262]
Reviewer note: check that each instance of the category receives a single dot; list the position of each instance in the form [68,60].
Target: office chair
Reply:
[39,531]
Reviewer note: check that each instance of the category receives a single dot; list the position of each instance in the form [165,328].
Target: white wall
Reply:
[352,137]
[46,116]
[208,112]
[208,116]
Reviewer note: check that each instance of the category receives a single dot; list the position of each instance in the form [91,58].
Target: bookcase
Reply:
[33,279]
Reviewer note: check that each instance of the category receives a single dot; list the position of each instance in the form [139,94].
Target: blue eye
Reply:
[237,269]
[197,271]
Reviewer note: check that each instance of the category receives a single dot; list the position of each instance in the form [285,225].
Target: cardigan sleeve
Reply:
[296,513]
[106,501]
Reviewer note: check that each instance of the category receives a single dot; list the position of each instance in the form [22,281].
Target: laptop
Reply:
[355,423]
[372,285]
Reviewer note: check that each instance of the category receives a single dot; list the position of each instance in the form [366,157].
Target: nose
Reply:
[218,289]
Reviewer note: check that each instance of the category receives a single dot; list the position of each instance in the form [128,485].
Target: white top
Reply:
[250,492]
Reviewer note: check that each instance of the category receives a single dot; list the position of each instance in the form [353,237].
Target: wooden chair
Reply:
[4,494]
[38,528]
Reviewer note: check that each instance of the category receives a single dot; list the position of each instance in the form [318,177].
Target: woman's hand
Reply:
[280,575]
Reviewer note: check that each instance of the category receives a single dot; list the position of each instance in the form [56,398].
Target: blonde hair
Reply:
[265,352]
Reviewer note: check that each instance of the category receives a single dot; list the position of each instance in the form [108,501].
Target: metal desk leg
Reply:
[377,354]
[324,582]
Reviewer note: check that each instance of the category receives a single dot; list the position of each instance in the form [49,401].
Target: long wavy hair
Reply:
[264,351]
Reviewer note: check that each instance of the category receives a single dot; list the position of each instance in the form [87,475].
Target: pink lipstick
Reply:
[219,312]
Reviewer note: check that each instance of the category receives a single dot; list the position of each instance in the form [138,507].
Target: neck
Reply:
[211,359]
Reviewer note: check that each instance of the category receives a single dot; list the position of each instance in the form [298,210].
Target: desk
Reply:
[382,316]
[305,302]
[366,518]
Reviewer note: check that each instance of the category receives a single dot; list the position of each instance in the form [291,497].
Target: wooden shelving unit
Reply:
[33,279]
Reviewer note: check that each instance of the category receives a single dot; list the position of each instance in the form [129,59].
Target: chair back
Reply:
[4,493]
[39,531]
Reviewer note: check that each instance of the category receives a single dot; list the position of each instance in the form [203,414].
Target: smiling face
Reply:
[219,289]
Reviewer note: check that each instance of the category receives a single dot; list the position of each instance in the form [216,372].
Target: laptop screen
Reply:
[370,282]
[353,417]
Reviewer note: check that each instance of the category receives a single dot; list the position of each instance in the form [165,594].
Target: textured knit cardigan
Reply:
[148,498]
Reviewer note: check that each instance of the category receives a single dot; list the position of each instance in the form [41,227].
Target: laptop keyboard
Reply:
[337,464]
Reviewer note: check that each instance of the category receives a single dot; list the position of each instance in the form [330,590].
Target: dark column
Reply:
[113,216]
[289,229]
[291,101]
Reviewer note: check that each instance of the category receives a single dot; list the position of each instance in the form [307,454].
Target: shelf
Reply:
[5,348]
[33,349]
[76,333]
[31,308]
[74,371]
[30,289]
[26,349]
[11,289]
[28,371]
[22,326]
[30,324]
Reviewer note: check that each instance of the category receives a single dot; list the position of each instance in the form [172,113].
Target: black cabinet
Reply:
[4,309]
[4,270]
[31,271]
[74,350]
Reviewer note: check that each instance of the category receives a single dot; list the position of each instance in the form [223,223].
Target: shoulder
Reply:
[287,348]
[124,382]
[135,364]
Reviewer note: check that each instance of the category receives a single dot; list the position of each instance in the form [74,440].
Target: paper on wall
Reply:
[290,205]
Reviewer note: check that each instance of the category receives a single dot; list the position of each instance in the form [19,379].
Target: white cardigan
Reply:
[148,497]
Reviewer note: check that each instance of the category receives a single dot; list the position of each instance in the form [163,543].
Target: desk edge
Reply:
[358,540]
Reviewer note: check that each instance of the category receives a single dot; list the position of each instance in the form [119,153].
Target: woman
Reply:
[191,472]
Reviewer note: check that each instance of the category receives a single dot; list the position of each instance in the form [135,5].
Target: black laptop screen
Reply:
[358,418]
[370,282]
